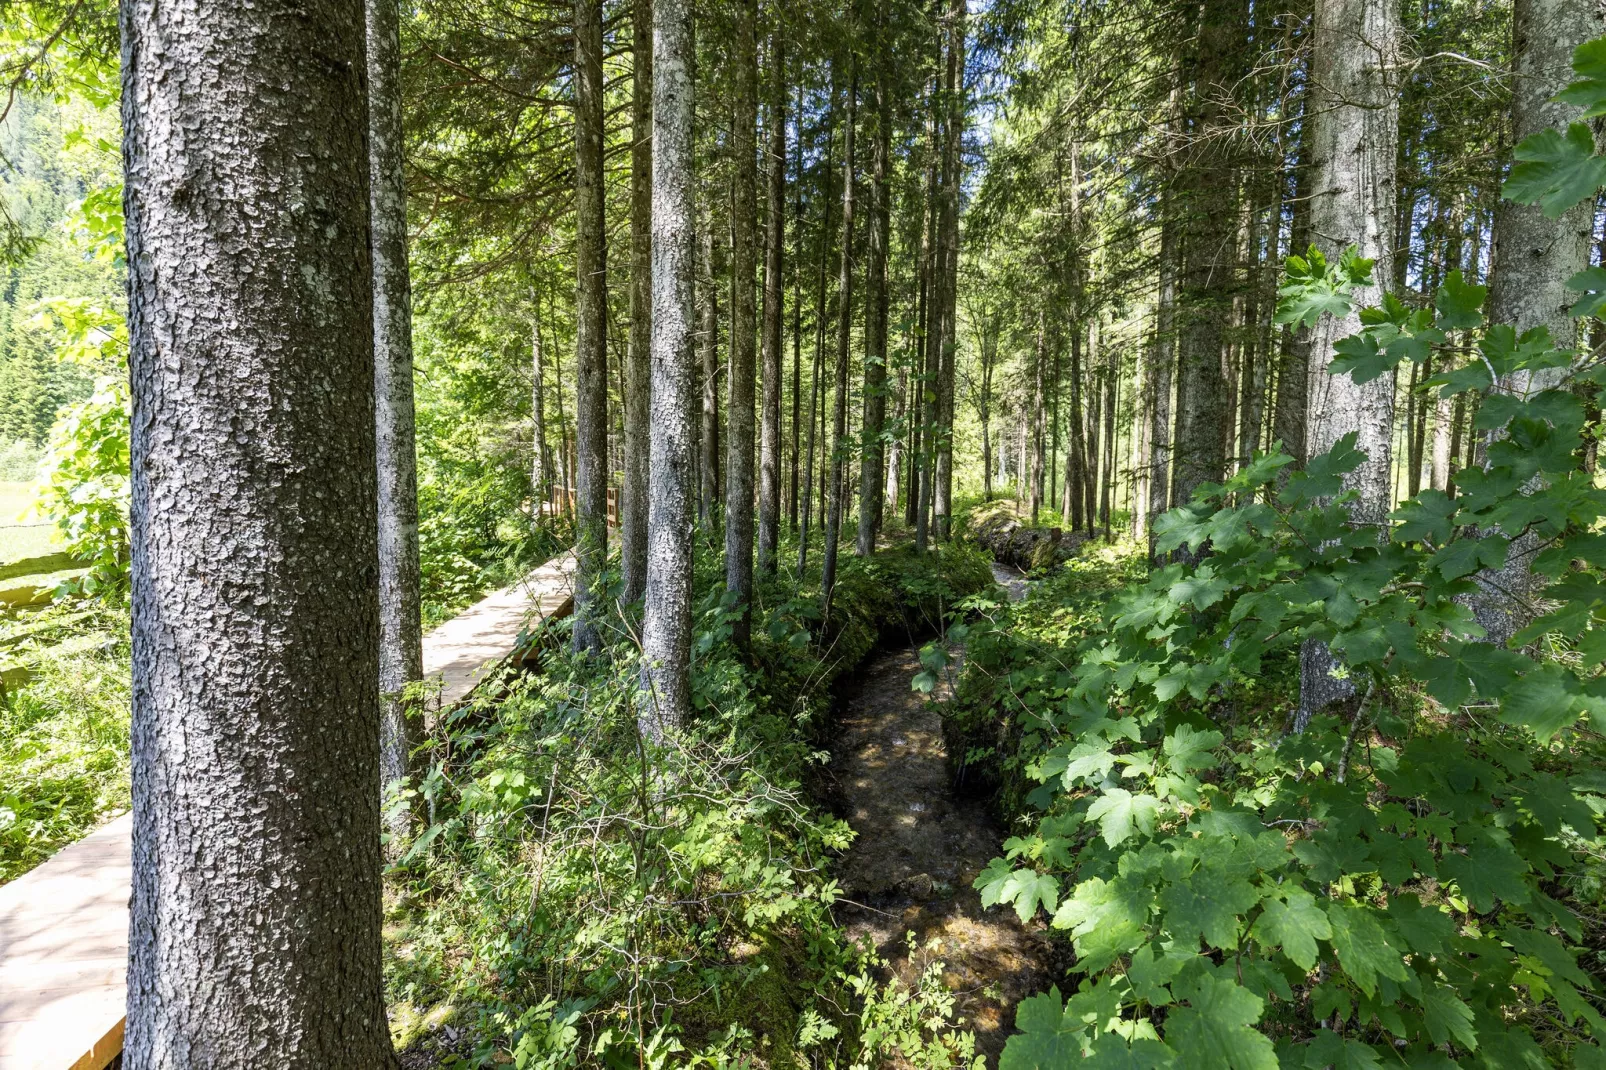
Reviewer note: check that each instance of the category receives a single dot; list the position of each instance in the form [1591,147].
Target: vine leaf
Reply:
[1556,170]
[1294,924]
[1119,812]
[1217,1029]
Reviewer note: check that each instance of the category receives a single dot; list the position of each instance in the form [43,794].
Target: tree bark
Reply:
[666,619]
[1354,132]
[401,652]
[590,330]
[744,336]
[955,97]
[1532,259]
[769,484]
[1206,205]
[836,488]
[633,506]
[816,388]
[1035,497]
[254,935]
[797,327]
[708,342]
[872,492]
[541,464]
[1162,361]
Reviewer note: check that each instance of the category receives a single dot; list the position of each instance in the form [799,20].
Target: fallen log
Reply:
[1028,548]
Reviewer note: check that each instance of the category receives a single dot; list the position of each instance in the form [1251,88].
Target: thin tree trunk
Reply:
[401,652]
[797,325]
[254,930]
[708,341]
[769,485]
[844,310]
[1354,130]
[955,95]
[666,618]
[633,505]
[1035,497]
[541,467]
[920,478]
[1111,393]
[739,409]
[816,393]
[591,337]
[871,489]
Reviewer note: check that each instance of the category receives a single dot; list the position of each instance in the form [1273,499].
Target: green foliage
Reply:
[1557,169]
[594,900]
[1316,287]
[1381,886]
[63,731]
[84,484]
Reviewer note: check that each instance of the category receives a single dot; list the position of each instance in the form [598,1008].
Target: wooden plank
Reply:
[64,925]
[63,956]
[474,645]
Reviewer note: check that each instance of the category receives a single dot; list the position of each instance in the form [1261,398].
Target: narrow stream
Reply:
[920,846]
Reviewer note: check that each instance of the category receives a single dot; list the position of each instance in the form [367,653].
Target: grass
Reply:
[63,735]
[22,535]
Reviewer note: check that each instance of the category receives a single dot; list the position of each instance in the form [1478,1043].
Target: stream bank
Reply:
[919,846]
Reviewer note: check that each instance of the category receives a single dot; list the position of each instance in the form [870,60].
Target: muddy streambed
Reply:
[920,846]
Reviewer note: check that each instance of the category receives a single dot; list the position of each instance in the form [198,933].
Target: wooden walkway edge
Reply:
[64,924]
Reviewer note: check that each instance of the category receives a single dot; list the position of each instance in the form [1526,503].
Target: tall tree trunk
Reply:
[541,465]
[797,325]
[837,490]
[708,342]
[1035,497]
[1090,484]
[1354,131]
[401,651]
[666,618]
[769,482]
[254,933]
[744,239]
[923,456]
[1071,508]
[633,505]
[816,388]
[1292,409]
[956,99]
[1532,259]
[1111,394]
[871,488]
[590,330]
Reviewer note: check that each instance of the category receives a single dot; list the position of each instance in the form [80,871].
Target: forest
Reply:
[1083,520]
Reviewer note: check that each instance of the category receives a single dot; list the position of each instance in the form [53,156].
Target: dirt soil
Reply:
[919,847]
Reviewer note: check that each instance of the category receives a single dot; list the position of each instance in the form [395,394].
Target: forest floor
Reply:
[919,847]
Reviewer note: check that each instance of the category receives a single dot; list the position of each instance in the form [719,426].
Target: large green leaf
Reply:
[1208,902]
[1111,1052]
[1048,1038]
[1294,924]
[1489,870]
[1119,812]
[1590,282]
[1556,170]
[1216,1030]
[1363,947]
[1588,90]
[1447,1017]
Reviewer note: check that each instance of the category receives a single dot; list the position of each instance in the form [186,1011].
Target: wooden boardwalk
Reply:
[64,925]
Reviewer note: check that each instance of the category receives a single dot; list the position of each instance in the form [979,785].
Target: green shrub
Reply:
[1391,886]
[582,897]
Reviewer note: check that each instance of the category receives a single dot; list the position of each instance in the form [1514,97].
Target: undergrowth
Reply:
[584,898]
[1411,879]
[63,729]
